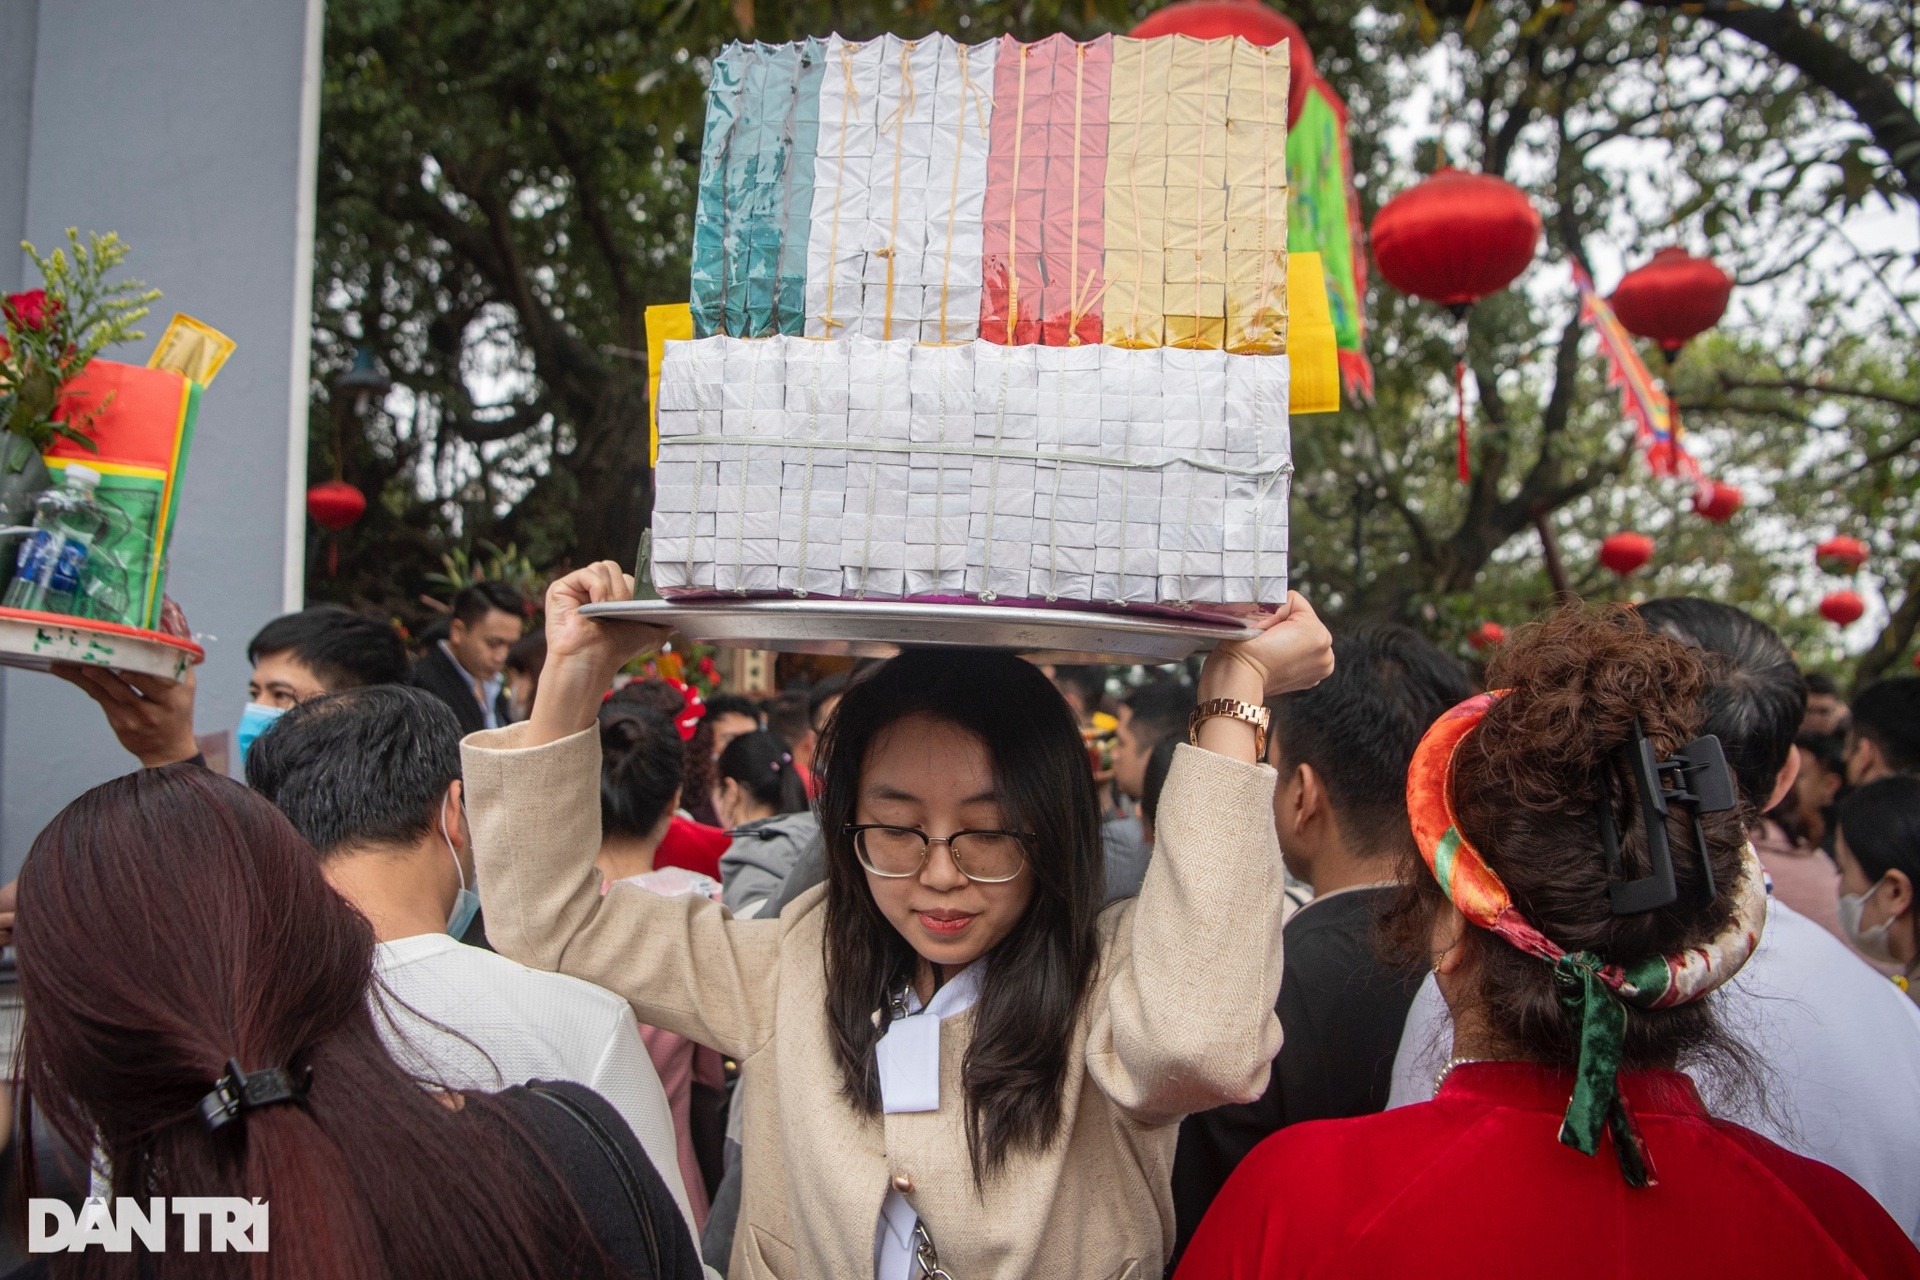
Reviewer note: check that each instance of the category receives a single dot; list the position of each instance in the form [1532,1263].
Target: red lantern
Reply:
[1251,21]
[335,505]
[1842,608]
[1672,299]
[1625,552]
[1454,239]
[1488,635]
[1841,554]
[1716,501]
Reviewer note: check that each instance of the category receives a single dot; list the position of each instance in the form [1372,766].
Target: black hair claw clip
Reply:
[1696,776]
[238,1092]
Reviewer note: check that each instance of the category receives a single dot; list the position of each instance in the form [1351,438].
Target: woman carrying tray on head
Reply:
[955,1058]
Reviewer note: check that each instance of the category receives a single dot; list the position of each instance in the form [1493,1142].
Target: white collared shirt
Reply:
[470,1019]
[908,1057]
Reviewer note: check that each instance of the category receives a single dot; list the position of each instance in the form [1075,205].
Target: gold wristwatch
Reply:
[1234,709]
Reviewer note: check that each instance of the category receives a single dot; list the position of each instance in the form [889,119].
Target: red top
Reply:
[1475,1184]
[692,845]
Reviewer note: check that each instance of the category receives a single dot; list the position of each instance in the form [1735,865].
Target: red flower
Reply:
[31,310]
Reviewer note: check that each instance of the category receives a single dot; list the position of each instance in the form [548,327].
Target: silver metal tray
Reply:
[881,628]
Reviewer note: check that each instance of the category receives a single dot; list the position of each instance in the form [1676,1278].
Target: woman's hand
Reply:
[1293,651]
[583,654]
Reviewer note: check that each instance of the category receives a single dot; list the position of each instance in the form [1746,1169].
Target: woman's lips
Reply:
[945,924]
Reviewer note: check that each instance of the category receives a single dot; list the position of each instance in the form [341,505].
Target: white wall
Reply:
[188,127]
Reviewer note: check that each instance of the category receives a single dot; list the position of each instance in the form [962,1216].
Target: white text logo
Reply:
[230,1223]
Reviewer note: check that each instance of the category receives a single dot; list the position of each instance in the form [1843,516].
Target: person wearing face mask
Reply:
[1878,848]
[762,799]
[371,779]
[295,657]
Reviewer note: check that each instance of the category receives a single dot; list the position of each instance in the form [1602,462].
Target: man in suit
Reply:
[467,670]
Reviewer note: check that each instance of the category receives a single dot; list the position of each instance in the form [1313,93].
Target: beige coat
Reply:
[1180,1019]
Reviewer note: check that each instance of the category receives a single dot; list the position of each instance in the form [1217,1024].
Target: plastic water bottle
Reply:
[54,558]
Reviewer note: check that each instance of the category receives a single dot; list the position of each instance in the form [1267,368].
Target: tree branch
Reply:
[1893,638]
[1803,386]
[1873,98]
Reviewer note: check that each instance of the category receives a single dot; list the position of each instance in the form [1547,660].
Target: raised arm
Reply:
[1184,1018]
[533,805]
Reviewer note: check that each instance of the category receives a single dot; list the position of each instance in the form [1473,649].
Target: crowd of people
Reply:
[1327,956]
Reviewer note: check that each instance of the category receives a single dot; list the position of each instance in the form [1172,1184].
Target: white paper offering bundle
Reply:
[871,469]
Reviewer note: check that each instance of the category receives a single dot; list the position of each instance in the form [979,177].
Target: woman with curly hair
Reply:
[1584,884]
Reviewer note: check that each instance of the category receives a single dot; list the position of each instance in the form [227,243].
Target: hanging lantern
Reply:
[1452,240]
[1672,299]
[1251,21]
[1716,502]
[1841,554]
[336,505]
[1842,608]
[1626,552]
[1488,635]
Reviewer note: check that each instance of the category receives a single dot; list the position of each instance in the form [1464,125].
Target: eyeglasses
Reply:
[986,857]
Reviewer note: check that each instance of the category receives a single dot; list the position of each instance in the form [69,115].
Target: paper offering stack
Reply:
[905,384]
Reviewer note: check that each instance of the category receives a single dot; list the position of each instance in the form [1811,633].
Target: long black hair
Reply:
[1035,986]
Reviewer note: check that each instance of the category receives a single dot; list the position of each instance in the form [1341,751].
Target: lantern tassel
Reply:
[333,557]
[1460,403]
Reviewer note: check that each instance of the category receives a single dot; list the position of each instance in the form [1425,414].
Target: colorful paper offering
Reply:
[1004,322]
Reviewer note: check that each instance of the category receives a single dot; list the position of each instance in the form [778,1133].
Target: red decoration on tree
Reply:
[1717,502]
[1625,552]
[1456,237]
[1251,21]
[1842,607]
[1841,554]
[1672,299]
[1488,635]
[1452,240]
[336,505]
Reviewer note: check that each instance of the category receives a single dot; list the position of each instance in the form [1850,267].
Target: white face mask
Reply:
[1870,942]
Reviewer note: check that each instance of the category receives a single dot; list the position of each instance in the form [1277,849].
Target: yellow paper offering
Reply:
[1196,196]
[666,322]
[1314,386]
[193,349]
[1256,214]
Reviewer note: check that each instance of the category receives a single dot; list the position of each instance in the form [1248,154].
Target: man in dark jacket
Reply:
[467,670]
[1342,749]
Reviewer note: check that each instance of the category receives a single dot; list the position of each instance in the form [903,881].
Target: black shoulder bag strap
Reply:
[622,1169]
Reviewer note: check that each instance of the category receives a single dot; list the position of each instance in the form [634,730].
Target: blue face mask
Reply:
[466,903]
[254,721]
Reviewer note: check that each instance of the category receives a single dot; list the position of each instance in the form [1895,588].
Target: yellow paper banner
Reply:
[1314,386]
[666,322]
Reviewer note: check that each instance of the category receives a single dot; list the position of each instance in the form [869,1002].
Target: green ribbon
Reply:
[1596,1103]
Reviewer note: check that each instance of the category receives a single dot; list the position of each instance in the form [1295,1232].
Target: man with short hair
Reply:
[322,649]
[730,715]
[467,670]
[1884,737]
[371,779]
[1342,749]
[1826,710]
[1153,713]
[1841,1044]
